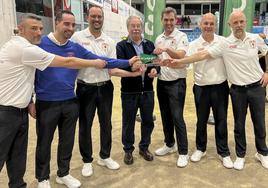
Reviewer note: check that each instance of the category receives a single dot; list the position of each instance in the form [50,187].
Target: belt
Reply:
[93,84]
[255,84]
[12,108]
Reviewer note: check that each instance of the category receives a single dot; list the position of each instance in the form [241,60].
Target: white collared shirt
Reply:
[53,39]
[211,71]
[18,62]
[241,57]
[177,40]
[102,46]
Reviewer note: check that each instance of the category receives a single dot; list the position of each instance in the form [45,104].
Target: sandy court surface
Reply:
[162,172]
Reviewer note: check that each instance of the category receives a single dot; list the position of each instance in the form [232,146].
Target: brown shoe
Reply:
[128,159]
[147,155]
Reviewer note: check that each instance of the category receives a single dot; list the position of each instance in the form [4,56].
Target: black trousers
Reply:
[171,97]
[131,102]
[49,116]
[254,98]
[215,97]
[92,98]
[13,143]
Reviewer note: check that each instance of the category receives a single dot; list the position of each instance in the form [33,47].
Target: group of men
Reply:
[57,105]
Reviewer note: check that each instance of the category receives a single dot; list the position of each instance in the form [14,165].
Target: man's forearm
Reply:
[71,62]
[199,56]
[266,62]
[175,54]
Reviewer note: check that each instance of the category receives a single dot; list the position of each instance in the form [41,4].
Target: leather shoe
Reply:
[147,155]
[128,159]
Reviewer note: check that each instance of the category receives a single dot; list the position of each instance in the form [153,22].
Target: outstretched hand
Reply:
[173,63]
[137,65]
[99,63]
[159,51]
[133,60]
[152,73]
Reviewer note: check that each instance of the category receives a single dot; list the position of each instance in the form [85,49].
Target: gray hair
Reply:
[134,17]
[167,11]
[26,16]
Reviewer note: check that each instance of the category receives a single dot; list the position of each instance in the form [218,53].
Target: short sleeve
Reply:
[262,47]
[183,43]
[112,50]
[36,57]
[192,49]
[218,49]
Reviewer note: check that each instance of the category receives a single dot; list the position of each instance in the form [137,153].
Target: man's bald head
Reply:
[237,22]
[208,16]
[208,26]
[236,14]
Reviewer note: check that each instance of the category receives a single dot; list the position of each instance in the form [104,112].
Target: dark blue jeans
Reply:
[254,98]
[171,97]
[13,144]
[215,97]
[131,102]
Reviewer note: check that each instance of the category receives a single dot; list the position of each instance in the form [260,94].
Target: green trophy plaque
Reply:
[147,58]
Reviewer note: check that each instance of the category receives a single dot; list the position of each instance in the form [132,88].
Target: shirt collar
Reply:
[88,34]
[172,34]
[21,38]
[131,41]
[234,39]
[202,40]
[53,39]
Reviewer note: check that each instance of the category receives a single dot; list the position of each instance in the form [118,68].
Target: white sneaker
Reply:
[182,161]
[197,155]
[109,163]
[44,184]
[165,150]
[227,162]
[87,169]
[263,159]
[69,181]
[239,163]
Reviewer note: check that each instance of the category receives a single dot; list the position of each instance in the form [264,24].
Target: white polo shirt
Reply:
[18,62]
[177,40]
[241,57]
[211,71]
[102,46]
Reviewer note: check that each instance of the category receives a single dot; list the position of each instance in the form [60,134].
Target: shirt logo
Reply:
[200,49]
[252,43]
[104,46]
[85,43]
[185,43]
[233,46]
[70,54]
[173,42]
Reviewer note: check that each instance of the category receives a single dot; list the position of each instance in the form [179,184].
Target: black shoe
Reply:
[147,155]
[128,159]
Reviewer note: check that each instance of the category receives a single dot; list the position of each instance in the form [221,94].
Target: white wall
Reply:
[7,20]
[115,24]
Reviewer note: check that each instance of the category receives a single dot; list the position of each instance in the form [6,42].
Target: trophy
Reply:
[149,59]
